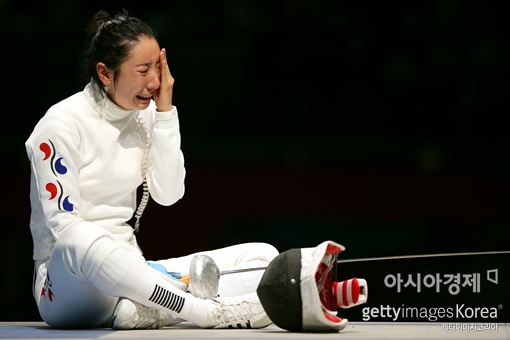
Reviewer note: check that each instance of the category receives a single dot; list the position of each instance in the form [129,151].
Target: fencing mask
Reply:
[299,293]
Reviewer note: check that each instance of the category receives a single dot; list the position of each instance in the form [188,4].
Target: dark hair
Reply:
[110,39]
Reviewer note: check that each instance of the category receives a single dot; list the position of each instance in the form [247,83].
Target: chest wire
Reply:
[142,130]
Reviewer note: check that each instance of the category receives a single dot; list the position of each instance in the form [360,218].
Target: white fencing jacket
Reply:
[86,157]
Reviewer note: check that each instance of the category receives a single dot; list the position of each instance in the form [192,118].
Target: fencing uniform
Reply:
[87,157]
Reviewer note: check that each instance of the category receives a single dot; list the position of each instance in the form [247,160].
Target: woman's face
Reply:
[138,77]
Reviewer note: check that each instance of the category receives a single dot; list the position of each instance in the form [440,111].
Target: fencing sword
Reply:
[204,276]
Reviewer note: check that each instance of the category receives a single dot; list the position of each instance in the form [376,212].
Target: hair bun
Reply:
[96,22]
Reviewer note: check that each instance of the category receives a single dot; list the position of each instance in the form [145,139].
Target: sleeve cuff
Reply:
[166,119]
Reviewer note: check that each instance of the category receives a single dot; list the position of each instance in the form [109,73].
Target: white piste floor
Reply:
[355,330]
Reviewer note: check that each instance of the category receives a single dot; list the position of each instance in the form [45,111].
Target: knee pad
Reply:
[82,245]
[267,252]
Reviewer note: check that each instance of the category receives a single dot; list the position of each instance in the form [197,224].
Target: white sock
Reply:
[121,274]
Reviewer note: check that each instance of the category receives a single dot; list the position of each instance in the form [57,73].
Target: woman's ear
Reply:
[104,74]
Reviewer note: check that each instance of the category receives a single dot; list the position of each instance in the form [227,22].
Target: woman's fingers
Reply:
[165,70]
[164,98]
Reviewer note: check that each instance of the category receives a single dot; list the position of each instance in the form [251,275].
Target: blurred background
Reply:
[381,125]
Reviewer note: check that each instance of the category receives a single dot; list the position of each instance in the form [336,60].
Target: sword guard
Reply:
[204,277]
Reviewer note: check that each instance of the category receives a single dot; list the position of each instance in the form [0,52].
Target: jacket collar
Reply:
[104,105]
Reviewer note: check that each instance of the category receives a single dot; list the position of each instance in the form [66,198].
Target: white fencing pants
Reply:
[70,293]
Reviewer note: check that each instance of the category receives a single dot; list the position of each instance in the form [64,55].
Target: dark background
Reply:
[381,125]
